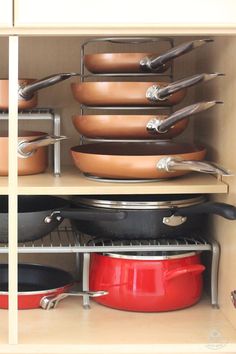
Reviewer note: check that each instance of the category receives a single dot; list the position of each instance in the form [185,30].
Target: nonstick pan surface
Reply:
[123,126]
[139,62]
[121,93]
[107,93]
[159,126]
[132,160]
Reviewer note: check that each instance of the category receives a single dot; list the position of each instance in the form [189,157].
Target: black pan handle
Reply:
[158,63]
[88,215]
[156,93]
[227,211]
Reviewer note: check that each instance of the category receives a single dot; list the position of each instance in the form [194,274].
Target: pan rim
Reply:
[41,266]
[197,148]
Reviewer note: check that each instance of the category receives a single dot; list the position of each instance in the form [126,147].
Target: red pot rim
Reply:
[151,258]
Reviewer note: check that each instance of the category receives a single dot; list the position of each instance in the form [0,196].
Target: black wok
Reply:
[151,216]
[39,215]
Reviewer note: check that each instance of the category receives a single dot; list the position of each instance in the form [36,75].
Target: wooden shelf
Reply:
[72,182]
[3,185]
[103,330]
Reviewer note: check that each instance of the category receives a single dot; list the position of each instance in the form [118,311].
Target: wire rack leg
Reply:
[214,273]
[86,300]
[57,131]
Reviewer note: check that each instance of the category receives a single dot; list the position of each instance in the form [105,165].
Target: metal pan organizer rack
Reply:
[41,114]
[66,240]
[128,41]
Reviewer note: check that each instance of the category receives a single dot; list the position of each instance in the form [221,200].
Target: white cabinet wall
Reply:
[6,13]
[152,13]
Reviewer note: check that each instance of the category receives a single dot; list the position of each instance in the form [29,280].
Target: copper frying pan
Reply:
[142,160]
[32,152]
[138,62]
[136,93]
[27,97]
[159,126]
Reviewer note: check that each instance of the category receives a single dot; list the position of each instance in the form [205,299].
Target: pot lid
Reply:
[155,201]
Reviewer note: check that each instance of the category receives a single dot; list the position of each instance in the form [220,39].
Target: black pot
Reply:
[150,216]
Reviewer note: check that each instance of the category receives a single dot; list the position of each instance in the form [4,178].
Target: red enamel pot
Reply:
[136,282]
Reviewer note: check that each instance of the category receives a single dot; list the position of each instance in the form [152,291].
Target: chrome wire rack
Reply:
[43,114]
[67,240]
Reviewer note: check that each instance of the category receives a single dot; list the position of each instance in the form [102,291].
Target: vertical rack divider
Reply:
[12,187]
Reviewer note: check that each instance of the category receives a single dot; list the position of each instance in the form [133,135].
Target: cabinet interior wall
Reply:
[217,131]
[42,56]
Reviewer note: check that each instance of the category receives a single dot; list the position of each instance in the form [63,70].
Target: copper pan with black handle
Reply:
[105,63]
[159,126]
[136,93]
[166,159]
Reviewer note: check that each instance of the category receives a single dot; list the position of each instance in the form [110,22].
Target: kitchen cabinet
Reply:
[70,328]
[6,14]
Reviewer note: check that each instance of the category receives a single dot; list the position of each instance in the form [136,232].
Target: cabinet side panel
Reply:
[216,129]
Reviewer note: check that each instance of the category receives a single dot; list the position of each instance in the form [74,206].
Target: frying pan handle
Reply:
[227,211]
[162,126]
[50,302]
[80,214]
[26,148]
[157,64]
[171,164]
[27,92]
[156,93]
[178,272]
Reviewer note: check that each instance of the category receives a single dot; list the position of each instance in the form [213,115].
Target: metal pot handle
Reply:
[155,125]
[27,148]
[51,302]
[26,92]
[191,268]
[158,93]
[171,164]
[157,63]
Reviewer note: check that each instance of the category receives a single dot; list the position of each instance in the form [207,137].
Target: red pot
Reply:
[149,284]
